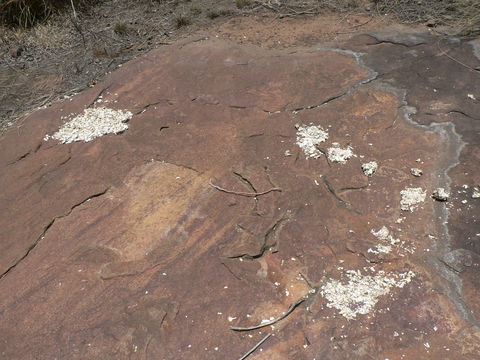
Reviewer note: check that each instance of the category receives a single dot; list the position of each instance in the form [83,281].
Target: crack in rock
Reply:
[28,153]
[373,75]
[343,203]
[266,246]
[49,225]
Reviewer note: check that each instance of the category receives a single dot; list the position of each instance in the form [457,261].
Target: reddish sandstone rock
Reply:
[151,243]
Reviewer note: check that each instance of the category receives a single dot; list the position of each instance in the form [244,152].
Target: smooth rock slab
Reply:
[150,244]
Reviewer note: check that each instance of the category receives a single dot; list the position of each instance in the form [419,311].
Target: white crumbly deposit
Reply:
[411,197]
[360,293]
[308,137]
[476,193]
[416,172]
[440,194]
[338,154]
[370,168]
[384,235]
[380,249]
[92,123]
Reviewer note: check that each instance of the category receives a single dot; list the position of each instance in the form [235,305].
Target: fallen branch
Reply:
[248,194]
[249,352]
[443,52]
[271,322]
[73,8]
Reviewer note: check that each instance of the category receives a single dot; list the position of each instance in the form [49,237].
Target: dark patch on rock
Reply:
[458,259]
[397,36]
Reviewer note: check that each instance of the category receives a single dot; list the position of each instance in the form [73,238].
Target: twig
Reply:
[79,29]
[306,281]
[325,153]
[248,194]
[73,8]
[297,13]
[271,322]
[362,24]
[443,52]
[249,352]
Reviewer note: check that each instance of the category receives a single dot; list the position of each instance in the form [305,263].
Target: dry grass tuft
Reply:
[25,13]
[181,21]
[461,14]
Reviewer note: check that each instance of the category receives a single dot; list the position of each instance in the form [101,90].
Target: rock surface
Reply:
[152,243]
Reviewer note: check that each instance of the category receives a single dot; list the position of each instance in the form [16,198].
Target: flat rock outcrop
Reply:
[236,208]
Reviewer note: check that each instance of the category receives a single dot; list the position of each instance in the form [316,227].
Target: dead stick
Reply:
[271,322]
[255,347]
[254,194]
[73,8]
[443,52]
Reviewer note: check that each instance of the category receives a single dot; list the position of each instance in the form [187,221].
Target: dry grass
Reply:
[25,13]
[464,15]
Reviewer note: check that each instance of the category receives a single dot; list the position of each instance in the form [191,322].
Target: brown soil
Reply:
[270,32]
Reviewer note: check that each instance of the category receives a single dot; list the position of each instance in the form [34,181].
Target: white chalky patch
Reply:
[416,172]
[370,168]
[440,194]
[411,197]
[308,137]
[380,248]
[384,235]
[360,293]
[92,123]
[338,154]
[476,193]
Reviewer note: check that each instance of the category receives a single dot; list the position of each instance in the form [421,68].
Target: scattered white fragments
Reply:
[416,172]
[360,293]
[384,235]
[92,123]
[411,197]
[370,168]
[338,154]
[380,248]
[440,194]
[476,193]
[308,137]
